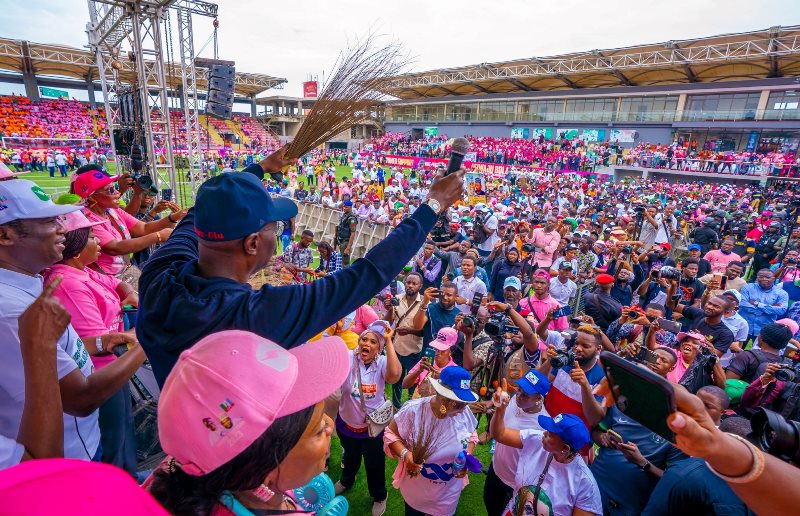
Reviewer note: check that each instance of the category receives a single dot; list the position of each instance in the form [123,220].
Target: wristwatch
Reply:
[435,205]
[646,466]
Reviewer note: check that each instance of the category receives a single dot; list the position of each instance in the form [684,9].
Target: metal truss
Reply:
[778,43]
[191,107]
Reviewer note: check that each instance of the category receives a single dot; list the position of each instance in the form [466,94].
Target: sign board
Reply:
[520,132]
[431,131]
[593,135]
[310,89]
[476,188]
[623,135]
[53,93]
[547,132]
[566,134]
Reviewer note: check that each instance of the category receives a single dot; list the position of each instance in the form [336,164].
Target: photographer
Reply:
[545,241]
[627,277]
[582,367]
[651,224]
[656,256]
[706,320]
[452,259]
[733,271]
[752,363]
[705,236]
[485,230]
[408,340]
[634,327]
[432,317]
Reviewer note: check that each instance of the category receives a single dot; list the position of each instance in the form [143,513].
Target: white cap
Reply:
[734,293]
[23,199]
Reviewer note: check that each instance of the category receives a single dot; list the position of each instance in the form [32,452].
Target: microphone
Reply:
[460,148]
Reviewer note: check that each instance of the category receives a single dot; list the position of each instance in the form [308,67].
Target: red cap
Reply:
[604,279]
[666,246]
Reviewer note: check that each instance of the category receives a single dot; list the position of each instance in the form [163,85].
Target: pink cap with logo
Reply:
[445,339]
[789,323]
[228,389]
[89,182]
[77,220]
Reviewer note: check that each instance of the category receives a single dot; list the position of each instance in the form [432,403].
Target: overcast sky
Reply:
[293,39]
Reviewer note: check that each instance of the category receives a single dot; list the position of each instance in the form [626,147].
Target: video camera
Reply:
[393,299]
[565,356]
[669,273]
[498,325]
[471,319]
[776,435]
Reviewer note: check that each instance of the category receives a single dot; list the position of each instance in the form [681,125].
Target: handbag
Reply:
[379,418]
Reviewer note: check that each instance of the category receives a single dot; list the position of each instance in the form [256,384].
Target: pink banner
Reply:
[493,170]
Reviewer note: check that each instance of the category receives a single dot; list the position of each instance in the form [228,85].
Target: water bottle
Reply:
[460,462]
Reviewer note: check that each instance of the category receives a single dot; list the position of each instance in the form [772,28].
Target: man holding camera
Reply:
[753,363]
[401,311]
[546,241]
[706,320]
[432,317]
[486,226]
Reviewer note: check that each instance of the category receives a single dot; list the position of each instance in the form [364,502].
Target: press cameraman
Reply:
[778,384]
[485,232]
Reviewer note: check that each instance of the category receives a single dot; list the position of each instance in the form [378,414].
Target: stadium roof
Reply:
[63,61]
[773,52]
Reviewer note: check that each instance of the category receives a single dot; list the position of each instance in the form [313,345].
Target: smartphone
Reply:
[562,312]
[644,355]
[615,438]
[670,326]
[430,353]
[640,394]
[166,194]
[440,294]
[723,282]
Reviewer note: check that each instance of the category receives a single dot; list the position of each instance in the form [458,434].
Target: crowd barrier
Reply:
[323,221]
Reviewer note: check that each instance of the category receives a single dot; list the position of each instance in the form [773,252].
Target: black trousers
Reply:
[410,511]
[116,431]
[371,449]
[496,493]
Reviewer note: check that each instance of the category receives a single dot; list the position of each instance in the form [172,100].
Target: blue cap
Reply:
[534,382]
[232,206]
[512,281]
[569,427]
[694,247]
[454,383]
[347,203]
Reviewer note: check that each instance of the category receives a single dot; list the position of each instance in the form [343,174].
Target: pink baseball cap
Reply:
[91,181]
[7,173]
[77,220]
[227,389]
[47,486]
[690,335]
[445,339]
[789,323]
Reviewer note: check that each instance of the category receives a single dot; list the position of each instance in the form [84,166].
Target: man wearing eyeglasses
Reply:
[196,283]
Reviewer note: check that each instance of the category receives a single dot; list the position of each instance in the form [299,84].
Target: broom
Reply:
[351,94]
[424,437]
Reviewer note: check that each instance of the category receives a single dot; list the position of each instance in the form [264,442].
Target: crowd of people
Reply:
[471,326]
[583,155]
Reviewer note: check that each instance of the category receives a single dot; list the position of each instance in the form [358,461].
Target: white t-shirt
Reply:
[17,292]
[505,457]
[374,382]
[488,244]
[467,288]
[435,490]
[10,452]
[558,261]
[562,292]
[565,486]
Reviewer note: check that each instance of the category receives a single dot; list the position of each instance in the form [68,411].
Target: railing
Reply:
[602,116]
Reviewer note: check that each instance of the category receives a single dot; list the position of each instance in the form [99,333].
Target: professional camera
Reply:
[788,373]
[708,355]
[776,435]
[670,273]
[498,325]
[564,357]
[528,248]
[639,209]
[570,336]
[471,319]
[627,249]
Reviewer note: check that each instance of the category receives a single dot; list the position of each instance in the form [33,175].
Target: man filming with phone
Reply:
[433,316]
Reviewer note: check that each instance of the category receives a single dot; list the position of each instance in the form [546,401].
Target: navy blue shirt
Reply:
[177,307]
[625,488]
[438,318]
[689,487]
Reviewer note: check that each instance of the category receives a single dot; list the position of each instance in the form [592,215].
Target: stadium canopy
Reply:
[773,52]
[69,62]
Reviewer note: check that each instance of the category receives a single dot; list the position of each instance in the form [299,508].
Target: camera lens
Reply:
[776,435]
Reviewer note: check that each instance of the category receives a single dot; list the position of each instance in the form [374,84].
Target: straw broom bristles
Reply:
[351,94]
[424,437]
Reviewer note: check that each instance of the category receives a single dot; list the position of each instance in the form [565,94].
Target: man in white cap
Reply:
[488,229]
[32,239]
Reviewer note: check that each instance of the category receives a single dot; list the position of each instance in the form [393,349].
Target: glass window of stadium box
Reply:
[402,113]
[431,112]
[729,106]
[541,110]
[783,105]
[496,111]
[591,110]
[462,111]
[648,109]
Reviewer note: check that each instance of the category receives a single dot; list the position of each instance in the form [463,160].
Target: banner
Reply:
[310,89]
[492,170]
[593,135]
[52,92]
[431,131]
[623,135]
[476,188]
[566,134]
[471,156]
[547,132]
[520,132]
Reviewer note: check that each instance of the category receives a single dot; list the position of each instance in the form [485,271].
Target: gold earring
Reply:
[442,409]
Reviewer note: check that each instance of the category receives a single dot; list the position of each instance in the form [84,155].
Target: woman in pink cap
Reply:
[241,419]
[119,233]
[95,302]
[427,368]
[363,393]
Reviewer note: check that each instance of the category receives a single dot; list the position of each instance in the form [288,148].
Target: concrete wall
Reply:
[674,176]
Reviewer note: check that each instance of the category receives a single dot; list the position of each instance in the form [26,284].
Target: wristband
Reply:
[158,236]
[98,342]
[759,463]
[646,467]
[169,218]
[403,454]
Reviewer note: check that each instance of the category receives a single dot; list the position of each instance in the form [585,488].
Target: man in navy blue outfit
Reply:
[196,283]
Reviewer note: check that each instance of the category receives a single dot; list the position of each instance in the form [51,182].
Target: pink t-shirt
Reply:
[540,307]
[115,227]
[680,368]
[720,260]
[91,299]
[424,374]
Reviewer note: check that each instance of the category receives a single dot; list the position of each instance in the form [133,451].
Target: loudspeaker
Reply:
[220,91]
[130,107]
[123,140]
